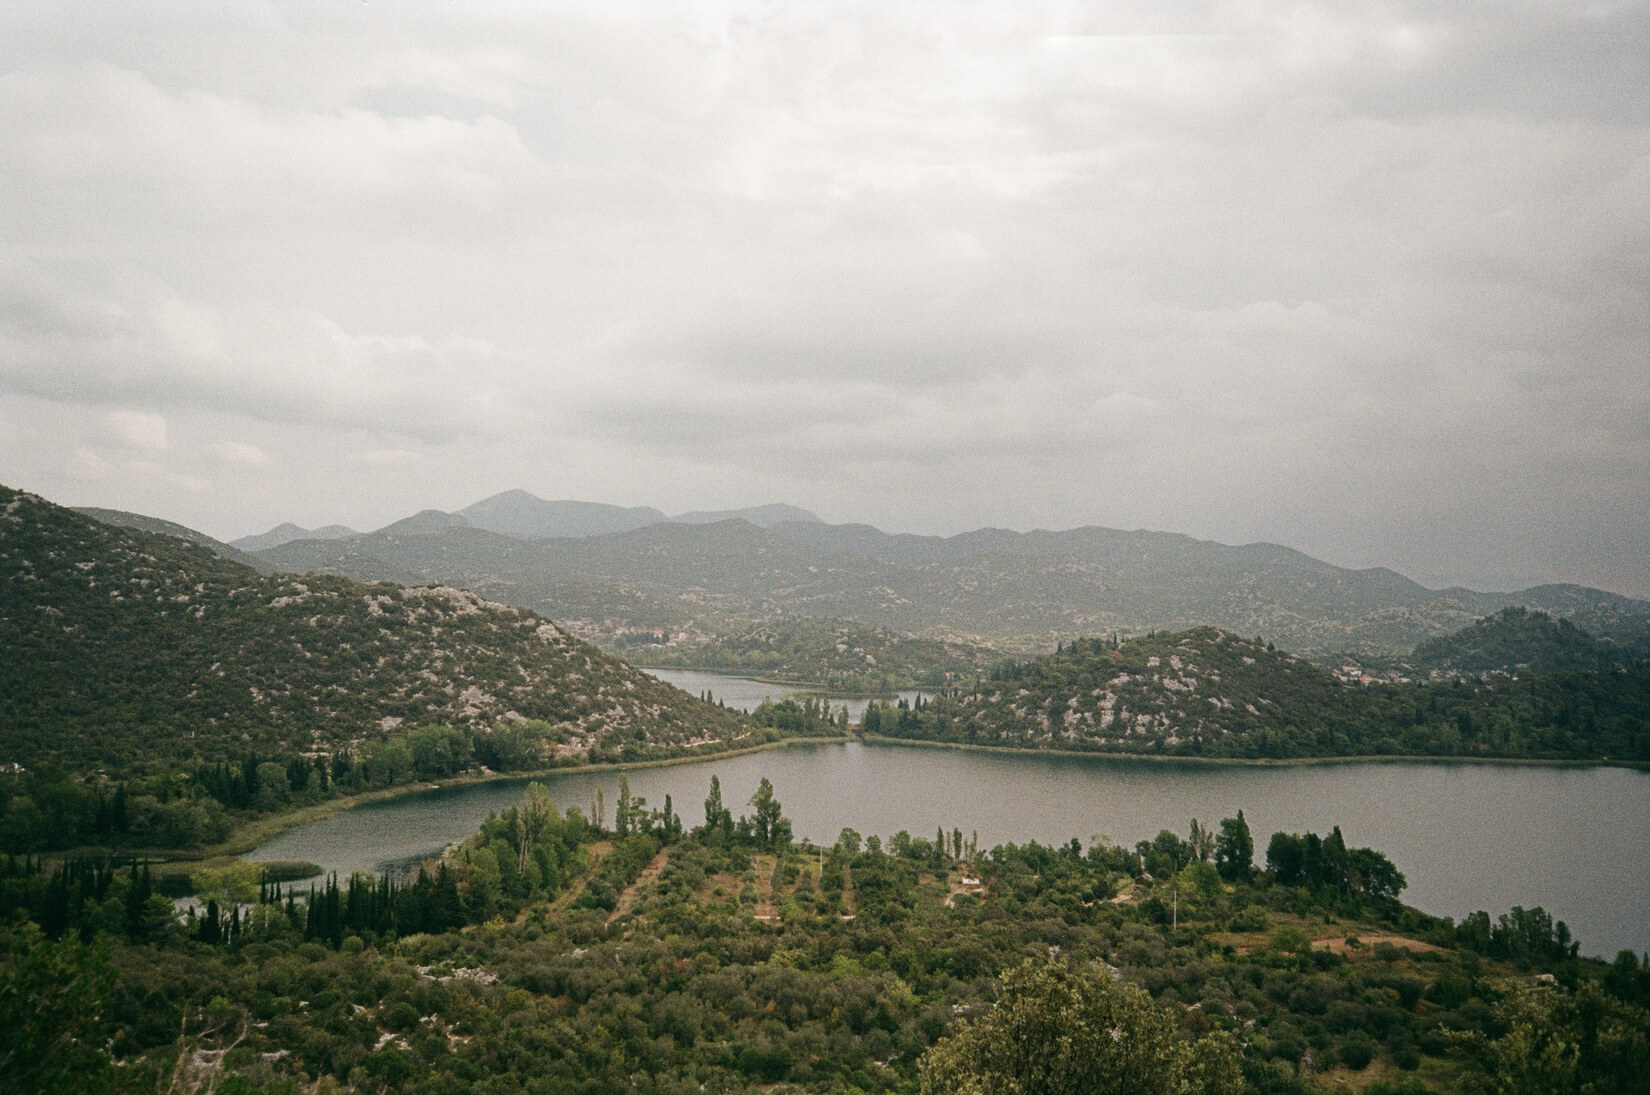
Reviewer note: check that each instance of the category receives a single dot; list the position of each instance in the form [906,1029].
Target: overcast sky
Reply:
[1370,280]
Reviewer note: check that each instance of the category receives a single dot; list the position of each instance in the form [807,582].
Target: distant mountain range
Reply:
[612,573]
[524,516]
[995,586]
[286,533]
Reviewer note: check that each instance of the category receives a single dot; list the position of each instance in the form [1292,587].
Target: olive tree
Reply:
[1060,1029]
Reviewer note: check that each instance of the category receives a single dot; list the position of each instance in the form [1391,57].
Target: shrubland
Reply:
[551,952]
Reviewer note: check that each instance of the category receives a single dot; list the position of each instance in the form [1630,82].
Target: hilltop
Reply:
[132,651]
[1208,692]
[1517,639]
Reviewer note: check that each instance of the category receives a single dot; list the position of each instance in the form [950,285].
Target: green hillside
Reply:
[1206,692]
[1515,640]
[132,652]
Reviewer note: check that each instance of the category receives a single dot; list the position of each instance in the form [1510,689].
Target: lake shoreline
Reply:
[1254,762]
[256,832]
[259,831]
[1467,836]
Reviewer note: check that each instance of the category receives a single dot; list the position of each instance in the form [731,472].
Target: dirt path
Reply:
[850,900]
[763,865]
[650,872]
[1339,945]
[598,852]
[1248,942]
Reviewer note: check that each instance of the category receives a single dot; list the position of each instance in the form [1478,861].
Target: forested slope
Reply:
[128,652]
[1519,640]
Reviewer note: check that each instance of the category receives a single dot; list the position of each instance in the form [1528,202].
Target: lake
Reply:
[1575,841]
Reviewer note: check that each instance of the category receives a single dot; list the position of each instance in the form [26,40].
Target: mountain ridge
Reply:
[525,516]
[997,587]
[143,523]
[994,585]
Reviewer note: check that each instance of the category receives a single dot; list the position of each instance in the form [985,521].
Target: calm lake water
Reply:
[745,694]
[1467,836]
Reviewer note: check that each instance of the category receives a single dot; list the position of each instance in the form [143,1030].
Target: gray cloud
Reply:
[1370,280]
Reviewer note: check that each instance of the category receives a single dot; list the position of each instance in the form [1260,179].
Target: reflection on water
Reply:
[1467,836]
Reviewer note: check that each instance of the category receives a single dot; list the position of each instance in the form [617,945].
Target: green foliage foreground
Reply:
[550,953]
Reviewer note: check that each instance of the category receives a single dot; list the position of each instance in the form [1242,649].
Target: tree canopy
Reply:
[1060,1029]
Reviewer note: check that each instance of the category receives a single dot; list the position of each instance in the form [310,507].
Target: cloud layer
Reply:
[1373,281]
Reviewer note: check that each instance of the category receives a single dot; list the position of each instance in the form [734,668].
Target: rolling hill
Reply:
[283,533]
[1518,640]
[1209,693]
[132,651]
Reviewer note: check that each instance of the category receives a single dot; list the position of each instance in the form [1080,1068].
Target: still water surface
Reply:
[1467,836]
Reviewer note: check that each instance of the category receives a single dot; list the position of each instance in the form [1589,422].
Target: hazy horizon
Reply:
[1478,583]
[1371,283]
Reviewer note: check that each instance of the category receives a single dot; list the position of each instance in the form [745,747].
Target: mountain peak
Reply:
[774,513]
[528,517]
[422,523]
[286,532]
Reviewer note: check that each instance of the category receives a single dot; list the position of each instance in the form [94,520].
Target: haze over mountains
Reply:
[286,532]
[610,571]
[525,516]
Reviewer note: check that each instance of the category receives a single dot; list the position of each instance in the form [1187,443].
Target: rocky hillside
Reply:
[1207,692]
[129,651]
